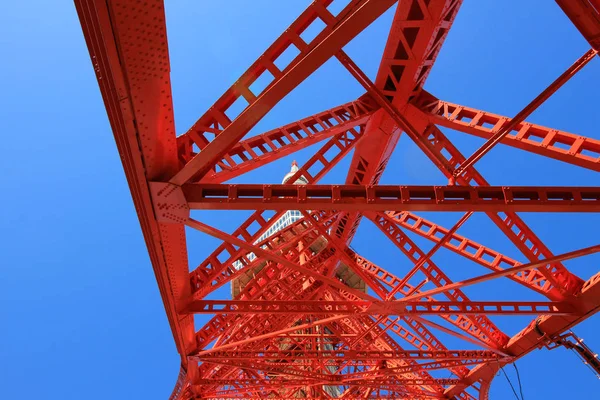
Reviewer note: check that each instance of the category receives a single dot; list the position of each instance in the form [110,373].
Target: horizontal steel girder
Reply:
[390,197]
[347,355]
[377,308]
[371,382]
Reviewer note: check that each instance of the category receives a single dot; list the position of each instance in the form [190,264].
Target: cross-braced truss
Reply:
[297,328]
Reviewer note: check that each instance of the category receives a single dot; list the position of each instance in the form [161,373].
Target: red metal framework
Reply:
[298,328]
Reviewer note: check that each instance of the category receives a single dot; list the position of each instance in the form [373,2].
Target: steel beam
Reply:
[564,146]
[483,255]
[252,384]
[509,223]
[508,125]
[536,334]
[314,307]
[417,34]
[273,257]
[337,33]
[339,354]
[507,272]
[136,90]
[390,197]
[585,15]
[479,326]
[263,149]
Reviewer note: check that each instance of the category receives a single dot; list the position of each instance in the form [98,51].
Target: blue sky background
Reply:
[80,309]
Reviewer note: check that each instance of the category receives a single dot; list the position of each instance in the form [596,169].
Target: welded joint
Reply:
[169,203]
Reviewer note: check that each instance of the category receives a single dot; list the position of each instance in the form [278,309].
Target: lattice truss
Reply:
[297,329]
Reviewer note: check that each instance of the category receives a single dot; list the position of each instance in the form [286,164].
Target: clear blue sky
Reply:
[80,309]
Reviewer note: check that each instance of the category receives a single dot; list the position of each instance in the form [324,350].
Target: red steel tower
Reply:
[309,317]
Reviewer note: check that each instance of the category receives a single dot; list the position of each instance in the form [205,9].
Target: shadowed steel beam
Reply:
[585,15]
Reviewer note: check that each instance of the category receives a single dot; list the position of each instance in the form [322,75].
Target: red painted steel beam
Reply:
[239,330]
[242,330]
[506,272]
[271,334]
[372,284]
[392,394]
[515,229]
[252,384]
[422,338]
[397,117]
[340,354]
[418,325]
[281,370]
[354,393]
[215,119]
[509,125]
[530,339]
[327,157]
[227,386]
[231,326]
[378,339]
[485,256]
[263,149]
[585,15]
[416,36]
[400,391]
[278,244]
[432,251]
[300,327]
[227,326]
[391,197]
[136,90]
[415,39]
[319,164]
[337,33]
[478,326]
[220,325]
[567,147]
[273,257]
[363,368]
[343,379]
[429,366]
[377,308]
[395,395]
